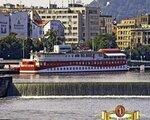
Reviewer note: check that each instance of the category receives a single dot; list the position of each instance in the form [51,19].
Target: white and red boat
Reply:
[63,59]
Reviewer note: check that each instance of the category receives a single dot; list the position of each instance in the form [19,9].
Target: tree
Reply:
[10,47]
[50,39]
[38,45]
[27,46]
[139,52]
[102,41]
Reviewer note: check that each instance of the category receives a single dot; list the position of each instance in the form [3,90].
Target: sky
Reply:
[43,3]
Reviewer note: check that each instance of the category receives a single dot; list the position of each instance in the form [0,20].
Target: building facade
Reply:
[4,24]
[124,34]
[105,23]
[39,28]
[80,22]
[19,22]
[143,19]
[141,36]
[36,31]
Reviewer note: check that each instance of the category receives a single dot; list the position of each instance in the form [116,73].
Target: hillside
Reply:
[120,9]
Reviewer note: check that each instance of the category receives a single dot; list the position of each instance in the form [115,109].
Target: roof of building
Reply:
[41,23]
[9,4]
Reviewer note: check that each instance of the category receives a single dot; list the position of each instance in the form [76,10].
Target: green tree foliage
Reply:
[10,47]
[38,45]
[102,41]
[139,52]
[50,40]
[27,46]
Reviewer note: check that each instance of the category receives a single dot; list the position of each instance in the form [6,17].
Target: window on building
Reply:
[83,34]
[92,11]
[43,17]
[75,22]
[64,16]
[74,34]
[48,16]
[3,29]
[74,16]
[74,28]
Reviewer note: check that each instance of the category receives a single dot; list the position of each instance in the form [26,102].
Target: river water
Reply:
[73,107]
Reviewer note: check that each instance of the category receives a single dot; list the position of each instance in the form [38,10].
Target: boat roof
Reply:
[110,50]
[115,54]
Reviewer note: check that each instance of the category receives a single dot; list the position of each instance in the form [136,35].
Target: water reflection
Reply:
[85,77]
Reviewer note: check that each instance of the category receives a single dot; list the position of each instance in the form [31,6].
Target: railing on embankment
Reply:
[136,64]
[80,88]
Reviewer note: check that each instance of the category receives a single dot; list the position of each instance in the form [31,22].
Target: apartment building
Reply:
[124,34]
[80,22]
[141,36]
[143,19]
[105,23]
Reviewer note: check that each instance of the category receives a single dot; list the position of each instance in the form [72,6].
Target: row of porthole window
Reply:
[84,63]
[85,68]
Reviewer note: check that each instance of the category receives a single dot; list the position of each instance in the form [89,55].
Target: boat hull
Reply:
[76,69]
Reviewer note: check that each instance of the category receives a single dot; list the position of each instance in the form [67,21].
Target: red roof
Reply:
[41,22]
[111,50]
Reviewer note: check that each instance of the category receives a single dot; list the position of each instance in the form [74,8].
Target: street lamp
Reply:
[23,49]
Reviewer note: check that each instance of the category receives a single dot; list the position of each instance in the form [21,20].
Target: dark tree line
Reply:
[12,47]
[141,52]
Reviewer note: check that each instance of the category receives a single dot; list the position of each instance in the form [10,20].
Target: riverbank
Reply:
[5,83]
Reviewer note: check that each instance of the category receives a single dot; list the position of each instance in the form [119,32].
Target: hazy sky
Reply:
[43,3]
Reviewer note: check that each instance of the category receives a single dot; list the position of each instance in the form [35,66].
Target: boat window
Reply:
[77,55]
